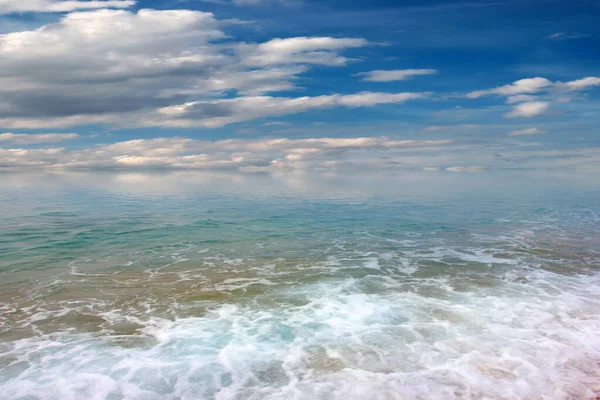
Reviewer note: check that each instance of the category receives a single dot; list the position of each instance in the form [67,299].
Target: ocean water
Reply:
[362,286]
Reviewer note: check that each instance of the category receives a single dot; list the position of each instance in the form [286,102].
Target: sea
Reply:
[298,285]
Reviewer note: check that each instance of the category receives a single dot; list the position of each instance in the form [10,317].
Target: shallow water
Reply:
[300,286]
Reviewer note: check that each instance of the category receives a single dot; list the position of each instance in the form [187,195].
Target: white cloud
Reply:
[19,6]
[322,154]
[106,61]
[18,158]
[366,99]
[522,86]
[523,89]
[301,50]
[222,112]
[530,109]
[528,131]
[394,75]
[121,67]
[35,138]
[582,84]
[533,96]
[242,154]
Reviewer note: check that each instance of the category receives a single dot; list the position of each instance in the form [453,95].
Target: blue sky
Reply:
[295,84]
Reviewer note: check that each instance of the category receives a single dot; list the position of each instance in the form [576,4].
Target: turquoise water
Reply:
[299,286]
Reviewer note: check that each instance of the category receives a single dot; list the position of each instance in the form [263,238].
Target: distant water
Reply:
[299,286]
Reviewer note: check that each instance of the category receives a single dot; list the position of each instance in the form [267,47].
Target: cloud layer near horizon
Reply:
[280,154]
[241,154]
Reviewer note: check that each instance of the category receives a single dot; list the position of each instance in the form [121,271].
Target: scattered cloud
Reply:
[528,131]
[35,138]
[523,89]
[179,68]
[533,96]
[530,109]
[282,154]
[394,75]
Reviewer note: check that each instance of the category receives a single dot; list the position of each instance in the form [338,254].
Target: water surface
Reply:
[299,286]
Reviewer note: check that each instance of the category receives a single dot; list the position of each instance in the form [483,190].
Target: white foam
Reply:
[372,263]
[509,341]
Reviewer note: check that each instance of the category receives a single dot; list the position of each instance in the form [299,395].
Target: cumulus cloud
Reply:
[528,131]
[240,154]
[105,61]
[527,110]
[20,6]
[123,67]
[35,138]
[394,75]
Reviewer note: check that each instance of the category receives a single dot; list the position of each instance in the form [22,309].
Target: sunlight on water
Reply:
[299,286]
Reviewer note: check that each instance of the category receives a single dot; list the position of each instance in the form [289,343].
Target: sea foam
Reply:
[511,341]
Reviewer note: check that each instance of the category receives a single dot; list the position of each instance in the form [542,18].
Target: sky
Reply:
[277,85]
